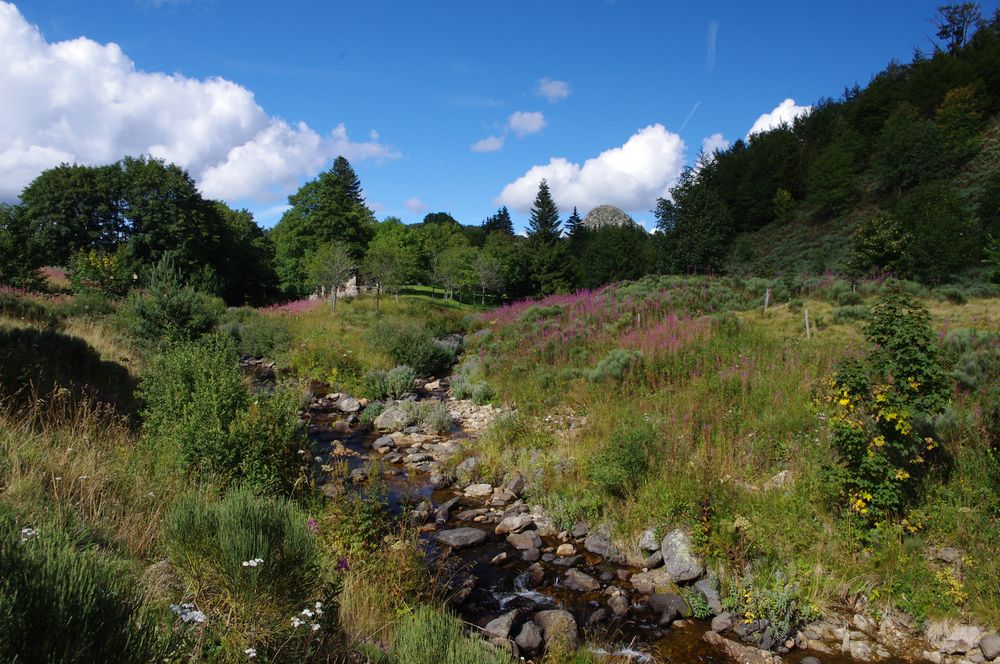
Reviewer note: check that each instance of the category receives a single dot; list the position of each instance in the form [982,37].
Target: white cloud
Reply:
[85,102]
[523,123]
[552,90]
[631,176]
[783,113]
[488,144]
[713,37]
[716,141]
[415,205]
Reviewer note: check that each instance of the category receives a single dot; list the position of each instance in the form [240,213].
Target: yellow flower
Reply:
[879,441]
[902,474]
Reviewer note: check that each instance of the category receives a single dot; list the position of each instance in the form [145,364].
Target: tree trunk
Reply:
[378,295]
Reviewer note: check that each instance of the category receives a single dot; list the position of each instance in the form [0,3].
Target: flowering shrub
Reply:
[775,610]
[98,270]
[879,406]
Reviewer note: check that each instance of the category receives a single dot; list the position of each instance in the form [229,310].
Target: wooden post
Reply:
[808,334]
[767,298]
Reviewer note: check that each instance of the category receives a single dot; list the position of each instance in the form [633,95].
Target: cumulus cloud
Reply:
[523,123]
[85,102]
[552,89]
[631,176]
[710,144]
[783,113]
[415,205]
[488,144]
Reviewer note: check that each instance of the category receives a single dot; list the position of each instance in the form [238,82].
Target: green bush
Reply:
[109,273]
[169,311]
[392,384]
[431,635]
[407,342]
[91,304]
[254,334]
[851,312]
[953,294]
[242,551]
[879,405]
[370,413]
[199,409]
[849,298]
[27,309]
[326,360]
[778,601]
[614,365]
[62,604]
[622,463]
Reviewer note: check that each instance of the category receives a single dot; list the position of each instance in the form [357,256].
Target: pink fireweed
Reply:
[293,307]
[665,336]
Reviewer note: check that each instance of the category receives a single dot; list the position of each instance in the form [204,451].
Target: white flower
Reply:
[315,626]
[307,613]
[188,613]
[253,562]
[296,622]
[28,533]
[251,652]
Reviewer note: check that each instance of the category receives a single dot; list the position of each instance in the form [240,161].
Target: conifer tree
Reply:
[544,223]
[499,223]
[574,223]
[551,262]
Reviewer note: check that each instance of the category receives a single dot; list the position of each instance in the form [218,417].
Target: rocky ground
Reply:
[561,582]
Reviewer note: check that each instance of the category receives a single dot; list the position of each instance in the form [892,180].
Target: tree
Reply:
[574,223]
[908,150]
[832,183]
[499,223]
[695,226]
[387,263]
[330,268]
[489,274]
[246,266]
[945,239]
[544,223]
[455,267]
[613,253]
[328,209]
[19,256]
[879,245]
[956,23]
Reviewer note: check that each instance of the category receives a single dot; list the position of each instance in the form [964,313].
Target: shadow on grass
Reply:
[36,362]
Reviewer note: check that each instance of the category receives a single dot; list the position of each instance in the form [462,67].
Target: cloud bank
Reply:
[631,176]
[85,102]
[783,113]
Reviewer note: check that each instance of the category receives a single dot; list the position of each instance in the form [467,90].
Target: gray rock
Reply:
[566,561]
[469,515]
[392,419]
[384,444]
[657,580]
[359,475]
[653,561]
[439,480]
[535,574]
[678,558]
[529,639]
[782,479]
[649,541]
[349,405]
[480,490]
[990,646]
[602,546]
[948,554]
[559,629]
[598,616]
[515,485]
[461,538]
[711,595]
[467,466]
[580,582]
[619,605]
[514,524]
[722,622]
[500,627]
[957,640]
[527,540]
[669,606]
[607,215]
[530,555]
[810,660]
[443,511]
[580,530]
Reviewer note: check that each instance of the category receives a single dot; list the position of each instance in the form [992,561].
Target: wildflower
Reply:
[879,441]
[902,474]
[307,613]
[188,613]
[312,526]
[28,533]
[314,626]
[254,562]
[250,652]
[342,564]
[296,622]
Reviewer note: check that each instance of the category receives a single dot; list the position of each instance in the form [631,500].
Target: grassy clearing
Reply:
[734,395]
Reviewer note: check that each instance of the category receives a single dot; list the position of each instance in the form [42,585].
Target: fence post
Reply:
[767,298]
[808,334]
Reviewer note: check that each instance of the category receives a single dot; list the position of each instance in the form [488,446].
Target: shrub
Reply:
[254,334]
[325,360]
[61,604]
[851,312]
[878,404]
[392,384]
[410,344]
[109,273]
[241,552]
[370,413]
[200,411]
[169,311]
[778,604]
[432,416]
[432,635]
[613,365]
[953,294]
[91,304]
[27,309]
[621,464]
[849,298]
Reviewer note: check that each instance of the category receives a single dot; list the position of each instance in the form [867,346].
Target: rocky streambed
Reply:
[529,585]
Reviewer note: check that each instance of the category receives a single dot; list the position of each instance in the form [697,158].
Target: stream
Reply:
[485,586]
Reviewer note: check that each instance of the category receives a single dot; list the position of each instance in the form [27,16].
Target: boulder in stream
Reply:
[529,639]
[461,538]
[514,524]
[501,627]
[525,540]
[392,419]
[678,557]
[579,581]
[558,628]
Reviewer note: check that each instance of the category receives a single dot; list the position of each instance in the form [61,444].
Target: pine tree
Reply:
[348,184]
[499,223]
[574,223]
[544,223]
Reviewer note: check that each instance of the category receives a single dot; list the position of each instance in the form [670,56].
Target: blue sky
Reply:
[254,98]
